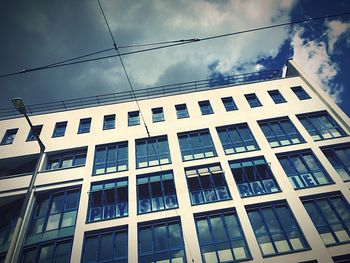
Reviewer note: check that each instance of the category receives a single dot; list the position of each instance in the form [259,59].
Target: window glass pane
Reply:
[63,252]
[106,248]
[218,229]
[46,254]
[145,236]
[90,252]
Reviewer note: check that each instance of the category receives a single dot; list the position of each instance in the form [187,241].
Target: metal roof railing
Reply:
[125,96]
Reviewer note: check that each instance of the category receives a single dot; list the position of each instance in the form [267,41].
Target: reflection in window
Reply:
[276,96]
[181,111]
[161,242]
[108,200]
[9,137]
[133,118]
[221,238]
[276,229]
[331,216]
[66,159]
[303,169]
[229,104]
[109,122]
[339,157]
[60,129]
[152,151]
[84,125]
[205,107]
[300,93]
[156,192]
[157,114]
[253,100]
[36,130]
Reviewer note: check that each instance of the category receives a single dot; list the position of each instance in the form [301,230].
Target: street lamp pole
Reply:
[16,241]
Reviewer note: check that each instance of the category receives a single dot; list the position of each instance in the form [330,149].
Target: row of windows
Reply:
[157,115]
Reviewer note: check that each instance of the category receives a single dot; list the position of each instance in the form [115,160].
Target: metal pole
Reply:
[16,241]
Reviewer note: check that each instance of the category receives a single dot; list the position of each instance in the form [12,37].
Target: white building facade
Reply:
[254,172]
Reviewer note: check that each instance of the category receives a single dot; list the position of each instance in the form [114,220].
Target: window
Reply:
[84,125]
[54,216]
[276,96]
[205,107]
[66,159]
[157,114]
[196,145]
[280,132]
[253,176]
[300,93]
[60,129]
[109,122]
[181,111]
[133,118]
[57,251]
[9,137]
[36,130]
[221,237]
[110,158]
[229,104]
[152,151]
[108,200]
[237,138]
[339,157]
[253,100]
[161,242]
[320,125]
[331,216]
[341,259]
[303,169]
[276,229]
[207,184]
[156,192]
[106,246]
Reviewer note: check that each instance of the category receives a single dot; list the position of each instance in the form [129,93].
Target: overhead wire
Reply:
[165,44]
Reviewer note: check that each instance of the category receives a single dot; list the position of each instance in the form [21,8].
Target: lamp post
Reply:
[16,241]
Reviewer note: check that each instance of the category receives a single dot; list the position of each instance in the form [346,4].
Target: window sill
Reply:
[108,219]
[212,202]
[313,186]
[60,169]
[167,209]
[287,253]
[258,149]
[93,174]
[194,159]
[247,196]
[342,136]
[274,147]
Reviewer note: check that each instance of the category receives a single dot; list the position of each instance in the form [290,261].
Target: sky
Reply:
[40,32]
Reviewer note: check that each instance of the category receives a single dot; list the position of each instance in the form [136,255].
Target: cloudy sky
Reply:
[35,33]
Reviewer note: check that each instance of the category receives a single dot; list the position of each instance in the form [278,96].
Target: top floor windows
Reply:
[321,125]
[181,111]
[339,157]
[60,129]
[205,107]
[229,104]
[300,93]
[9,137]
[109,122]
[152,151]
[237,138]
[280,132]
[84,125]
[111,158]
[253,100]
[36,130]
[66,159]
[196,145]
[133,118]
[276,96]
[157,114]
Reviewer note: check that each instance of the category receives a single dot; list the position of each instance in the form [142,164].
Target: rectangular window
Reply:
[133,118]
[280,132]
[320,125]
[108,200]
[276,229]
[207,184]
[221,237]
[54,216]
[161,242]
[331,216]
[229,104]
[66,159]
[303,169]
[276,96]
[156,192]
[205,107]
[84,125]
[9,137]
[157,114]
[253,177]
[341,259]
[106,246]
[253,100]
[60,129]
[196,145]
[109,122]
[181,111]
[36,130]
[152,151]
[237,138]
[110,158]
[339,157]
[300,93]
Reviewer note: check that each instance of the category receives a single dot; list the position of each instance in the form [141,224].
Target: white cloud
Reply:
[337,29]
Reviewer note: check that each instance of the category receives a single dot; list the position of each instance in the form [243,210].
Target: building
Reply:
[254,170]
